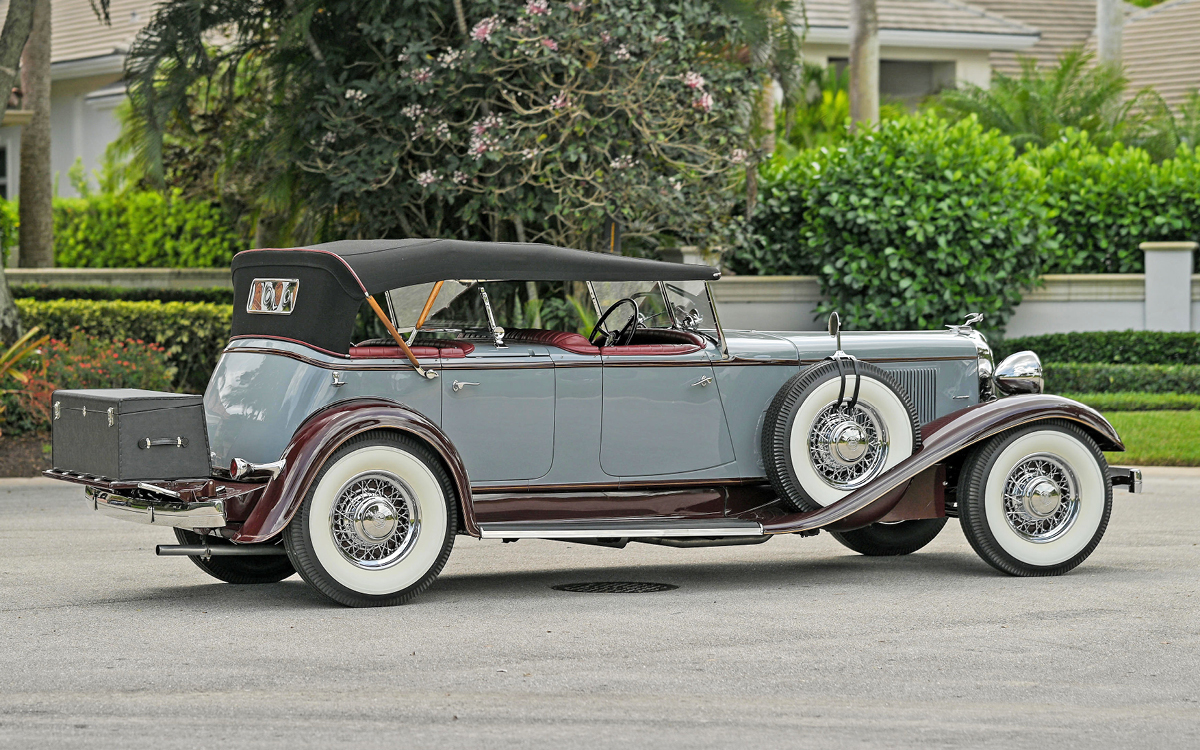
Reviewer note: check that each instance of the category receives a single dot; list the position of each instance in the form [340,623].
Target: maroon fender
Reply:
[941,439]
[322,434]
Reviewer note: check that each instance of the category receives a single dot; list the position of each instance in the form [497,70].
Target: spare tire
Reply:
[817,450]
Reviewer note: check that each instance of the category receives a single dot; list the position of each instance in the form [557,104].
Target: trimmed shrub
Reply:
[1069,377]
[910,226]
[139,229]
[1102,205]
[193,334]
[1116,347]
[43,292]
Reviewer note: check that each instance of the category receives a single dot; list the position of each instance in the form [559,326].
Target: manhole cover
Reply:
[615,587]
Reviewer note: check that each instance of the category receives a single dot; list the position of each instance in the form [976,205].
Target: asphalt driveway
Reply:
[794,643]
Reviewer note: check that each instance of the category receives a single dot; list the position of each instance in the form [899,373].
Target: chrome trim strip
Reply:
[209,514]
[618,529]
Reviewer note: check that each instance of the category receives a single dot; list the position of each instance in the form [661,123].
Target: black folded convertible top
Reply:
[335,277]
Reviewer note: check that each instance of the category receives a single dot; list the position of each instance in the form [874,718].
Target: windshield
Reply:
[647,294]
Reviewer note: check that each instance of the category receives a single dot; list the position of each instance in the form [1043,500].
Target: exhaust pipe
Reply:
[221,550]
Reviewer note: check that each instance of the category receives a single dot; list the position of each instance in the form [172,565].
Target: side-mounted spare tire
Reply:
[817,449]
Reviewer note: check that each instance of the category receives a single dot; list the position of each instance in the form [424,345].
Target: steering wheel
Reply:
[621,337]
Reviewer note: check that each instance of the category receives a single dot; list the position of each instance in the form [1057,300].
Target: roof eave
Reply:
[929,39]
[110,64]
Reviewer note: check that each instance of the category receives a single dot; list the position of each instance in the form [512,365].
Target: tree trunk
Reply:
[864,63]
[12,41]
[37,192]
[766,117]
[1110,20]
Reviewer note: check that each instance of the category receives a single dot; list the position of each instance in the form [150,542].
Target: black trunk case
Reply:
[104,433]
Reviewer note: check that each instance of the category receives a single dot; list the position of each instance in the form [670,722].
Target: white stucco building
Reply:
[87,67]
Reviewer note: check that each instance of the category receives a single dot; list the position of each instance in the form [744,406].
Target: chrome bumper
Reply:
[1122,476]
[208,514]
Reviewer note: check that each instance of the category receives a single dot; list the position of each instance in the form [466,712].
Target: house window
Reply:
[4,172]
[908,82]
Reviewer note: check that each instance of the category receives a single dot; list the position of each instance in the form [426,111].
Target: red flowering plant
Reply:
[82,361]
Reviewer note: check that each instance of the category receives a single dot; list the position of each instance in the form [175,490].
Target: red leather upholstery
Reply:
[571,342]
[574,342]
[459,351]
[652,349]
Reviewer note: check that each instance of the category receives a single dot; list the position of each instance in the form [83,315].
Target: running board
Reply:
[617,529]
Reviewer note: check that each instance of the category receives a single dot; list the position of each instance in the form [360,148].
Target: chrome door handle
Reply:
[458,385]
[702,382]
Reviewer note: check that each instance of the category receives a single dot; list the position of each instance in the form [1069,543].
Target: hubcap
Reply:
[375,520]
[1041,501]
[848,447]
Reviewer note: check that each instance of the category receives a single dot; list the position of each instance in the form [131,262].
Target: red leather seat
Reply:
[457,350]
[574,342]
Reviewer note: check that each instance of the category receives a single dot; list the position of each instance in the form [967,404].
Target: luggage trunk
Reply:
[125,434]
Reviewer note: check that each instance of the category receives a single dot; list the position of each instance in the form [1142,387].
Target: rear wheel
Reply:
[378,523]
[1035,500]
[889,539]
[256,569]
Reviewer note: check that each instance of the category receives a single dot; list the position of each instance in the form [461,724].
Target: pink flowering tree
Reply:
[512,120]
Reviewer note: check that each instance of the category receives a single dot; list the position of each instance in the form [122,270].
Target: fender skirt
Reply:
[323,433]
[941,439]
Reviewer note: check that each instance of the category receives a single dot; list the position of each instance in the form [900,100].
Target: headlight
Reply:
[1020,373]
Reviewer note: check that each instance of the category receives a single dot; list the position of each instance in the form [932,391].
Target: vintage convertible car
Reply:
[357,464]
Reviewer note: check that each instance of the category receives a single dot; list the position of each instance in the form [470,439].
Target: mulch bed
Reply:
[24,456]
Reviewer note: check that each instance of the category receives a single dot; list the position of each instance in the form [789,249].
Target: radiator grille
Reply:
[921,386]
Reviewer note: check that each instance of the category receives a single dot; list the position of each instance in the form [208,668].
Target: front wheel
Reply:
[1035,500]
[378,524]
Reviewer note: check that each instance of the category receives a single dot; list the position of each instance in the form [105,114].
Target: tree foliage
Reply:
[530,120]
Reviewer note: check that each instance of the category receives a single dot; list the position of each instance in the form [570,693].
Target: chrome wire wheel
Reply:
[1041,498]
[375,520]
[848,446]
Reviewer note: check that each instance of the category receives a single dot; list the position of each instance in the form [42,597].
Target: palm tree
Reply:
[1035,107]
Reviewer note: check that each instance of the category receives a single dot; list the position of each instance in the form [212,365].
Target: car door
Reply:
[498,409]
[661,415]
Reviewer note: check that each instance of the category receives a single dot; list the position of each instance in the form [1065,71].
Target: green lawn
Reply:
[1138,401]
[1157,438]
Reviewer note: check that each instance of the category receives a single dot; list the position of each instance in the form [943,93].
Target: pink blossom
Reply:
[659,39]
[693,80]
[739,156]
[561,101]
[605,37]
[622,53]
[577,7]
[538,7]
[703,102]
[422,75]
[427,178]
[484,29]
[459,178]
[549,43]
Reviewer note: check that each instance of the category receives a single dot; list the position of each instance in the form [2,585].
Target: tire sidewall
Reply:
[983,515]
[310,537]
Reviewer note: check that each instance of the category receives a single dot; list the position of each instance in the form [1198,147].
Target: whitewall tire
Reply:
[816,451]
[377,524]
[1035,500]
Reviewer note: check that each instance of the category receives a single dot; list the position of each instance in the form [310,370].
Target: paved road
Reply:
[795,643]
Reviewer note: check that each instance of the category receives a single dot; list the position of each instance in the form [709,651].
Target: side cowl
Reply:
[942,438]
[322,434]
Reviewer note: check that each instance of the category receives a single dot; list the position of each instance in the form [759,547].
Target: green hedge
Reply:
[1116,347]
[1103,204]
[43,292]
[910,225]
[139,229]
[1068,377]
[192,333]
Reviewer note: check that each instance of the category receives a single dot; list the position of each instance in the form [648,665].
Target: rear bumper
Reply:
[202,514]
[1122,476]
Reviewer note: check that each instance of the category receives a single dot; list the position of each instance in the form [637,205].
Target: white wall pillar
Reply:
[1168,285]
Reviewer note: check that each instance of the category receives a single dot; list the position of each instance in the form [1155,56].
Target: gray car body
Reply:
[530,415]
